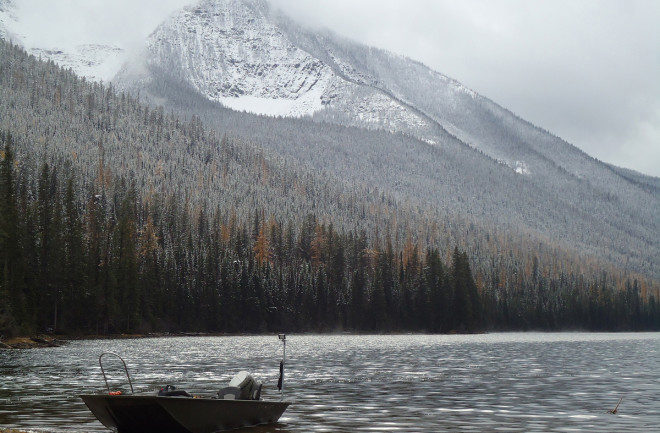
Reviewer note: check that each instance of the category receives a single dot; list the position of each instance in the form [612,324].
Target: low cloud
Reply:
[67,23]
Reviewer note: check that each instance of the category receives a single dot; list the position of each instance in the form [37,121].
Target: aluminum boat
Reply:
[172,410]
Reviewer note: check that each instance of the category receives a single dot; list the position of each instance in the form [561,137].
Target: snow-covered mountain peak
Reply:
[232,52]
[249,57]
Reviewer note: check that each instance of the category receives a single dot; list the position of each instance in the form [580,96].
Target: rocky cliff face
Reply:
[231,52]
[246,56]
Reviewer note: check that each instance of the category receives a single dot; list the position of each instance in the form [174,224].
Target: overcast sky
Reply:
[586,70]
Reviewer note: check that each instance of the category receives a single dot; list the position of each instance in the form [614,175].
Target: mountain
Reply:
[248,57]
[447,147]
[117,217]
[389,127]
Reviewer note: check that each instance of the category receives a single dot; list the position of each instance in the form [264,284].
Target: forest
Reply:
[122,262]
[117,217]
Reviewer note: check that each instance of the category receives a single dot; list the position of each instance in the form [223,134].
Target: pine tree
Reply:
[10,256]
[45,295]
[462,305]
[74,297]
[125,267]
[435,280]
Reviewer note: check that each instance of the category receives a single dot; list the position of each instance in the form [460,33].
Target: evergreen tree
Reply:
[125,267]
[74,299]
[10,256]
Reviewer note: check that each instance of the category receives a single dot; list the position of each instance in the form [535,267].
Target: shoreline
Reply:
[44,341]
[37,341]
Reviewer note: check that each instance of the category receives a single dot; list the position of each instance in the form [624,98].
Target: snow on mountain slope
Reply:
[453,149]
[230,52]
[9,28]
[237,53]
[437,105]
[248,57]
[97,62]
[93,61]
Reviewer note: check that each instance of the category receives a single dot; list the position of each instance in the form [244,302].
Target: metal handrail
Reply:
[125,370]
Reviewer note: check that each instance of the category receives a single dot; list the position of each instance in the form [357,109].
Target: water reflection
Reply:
[508,382]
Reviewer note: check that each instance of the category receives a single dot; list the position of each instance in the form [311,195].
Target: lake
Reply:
[377,383]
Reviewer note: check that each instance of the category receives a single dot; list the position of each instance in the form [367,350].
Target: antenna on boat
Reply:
[280,382]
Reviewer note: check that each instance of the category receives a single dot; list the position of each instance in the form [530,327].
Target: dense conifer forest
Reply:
[106,226]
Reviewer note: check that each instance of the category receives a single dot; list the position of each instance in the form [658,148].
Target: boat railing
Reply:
[125,370]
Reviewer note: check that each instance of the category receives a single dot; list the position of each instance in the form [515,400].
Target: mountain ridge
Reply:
[404,114]
[430,143]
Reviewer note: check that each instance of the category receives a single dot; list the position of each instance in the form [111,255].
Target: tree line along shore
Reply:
[135,263]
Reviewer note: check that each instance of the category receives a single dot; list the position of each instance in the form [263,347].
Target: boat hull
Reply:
[144,413]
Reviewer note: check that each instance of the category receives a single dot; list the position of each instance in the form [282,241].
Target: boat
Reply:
[172,410]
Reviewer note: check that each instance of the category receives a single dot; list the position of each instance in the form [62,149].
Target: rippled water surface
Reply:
[409,383]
